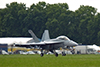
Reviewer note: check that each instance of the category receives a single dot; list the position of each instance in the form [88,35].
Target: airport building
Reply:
[87,49]
[3,47]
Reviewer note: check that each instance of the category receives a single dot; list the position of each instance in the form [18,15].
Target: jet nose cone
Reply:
[75,43]
[70,43]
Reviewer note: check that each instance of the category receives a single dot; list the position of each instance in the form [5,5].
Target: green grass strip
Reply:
[49,61]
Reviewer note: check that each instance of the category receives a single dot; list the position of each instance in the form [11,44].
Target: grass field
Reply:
[49,61]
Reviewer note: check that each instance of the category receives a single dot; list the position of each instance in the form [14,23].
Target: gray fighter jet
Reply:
[49,44]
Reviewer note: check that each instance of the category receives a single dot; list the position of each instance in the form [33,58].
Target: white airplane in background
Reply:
[49,44]
[4,52]
[12,40]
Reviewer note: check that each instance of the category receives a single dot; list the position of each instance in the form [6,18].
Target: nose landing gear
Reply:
[63,54]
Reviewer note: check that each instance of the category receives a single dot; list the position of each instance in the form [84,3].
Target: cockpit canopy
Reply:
[63,38]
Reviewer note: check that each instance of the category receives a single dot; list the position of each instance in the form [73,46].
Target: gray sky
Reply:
[73,4]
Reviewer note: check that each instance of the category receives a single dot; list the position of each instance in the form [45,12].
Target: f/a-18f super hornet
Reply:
[49,44]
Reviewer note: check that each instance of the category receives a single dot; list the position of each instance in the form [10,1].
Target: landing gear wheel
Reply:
[41,54]
[56,54]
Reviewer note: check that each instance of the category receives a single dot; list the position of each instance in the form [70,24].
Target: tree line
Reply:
[82,25]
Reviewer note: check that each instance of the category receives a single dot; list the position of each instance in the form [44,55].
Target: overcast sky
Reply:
[73,4]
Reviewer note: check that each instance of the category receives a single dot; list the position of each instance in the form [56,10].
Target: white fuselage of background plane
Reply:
[12,40]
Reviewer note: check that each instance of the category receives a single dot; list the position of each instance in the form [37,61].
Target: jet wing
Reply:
[29,44]
[37,44]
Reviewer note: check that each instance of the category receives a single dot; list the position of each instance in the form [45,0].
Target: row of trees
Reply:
[82,25]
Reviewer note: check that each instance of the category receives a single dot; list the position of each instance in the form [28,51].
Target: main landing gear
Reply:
[42,54]
[56,54]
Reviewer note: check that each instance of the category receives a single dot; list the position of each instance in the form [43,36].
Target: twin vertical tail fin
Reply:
[33,36]
[45,35]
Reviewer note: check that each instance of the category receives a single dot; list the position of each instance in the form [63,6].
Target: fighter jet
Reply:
[49,44]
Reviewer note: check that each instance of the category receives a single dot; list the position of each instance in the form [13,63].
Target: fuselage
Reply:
[58,42]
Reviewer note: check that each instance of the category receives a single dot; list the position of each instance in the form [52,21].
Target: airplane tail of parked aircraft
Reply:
[45,35]
[33,36]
